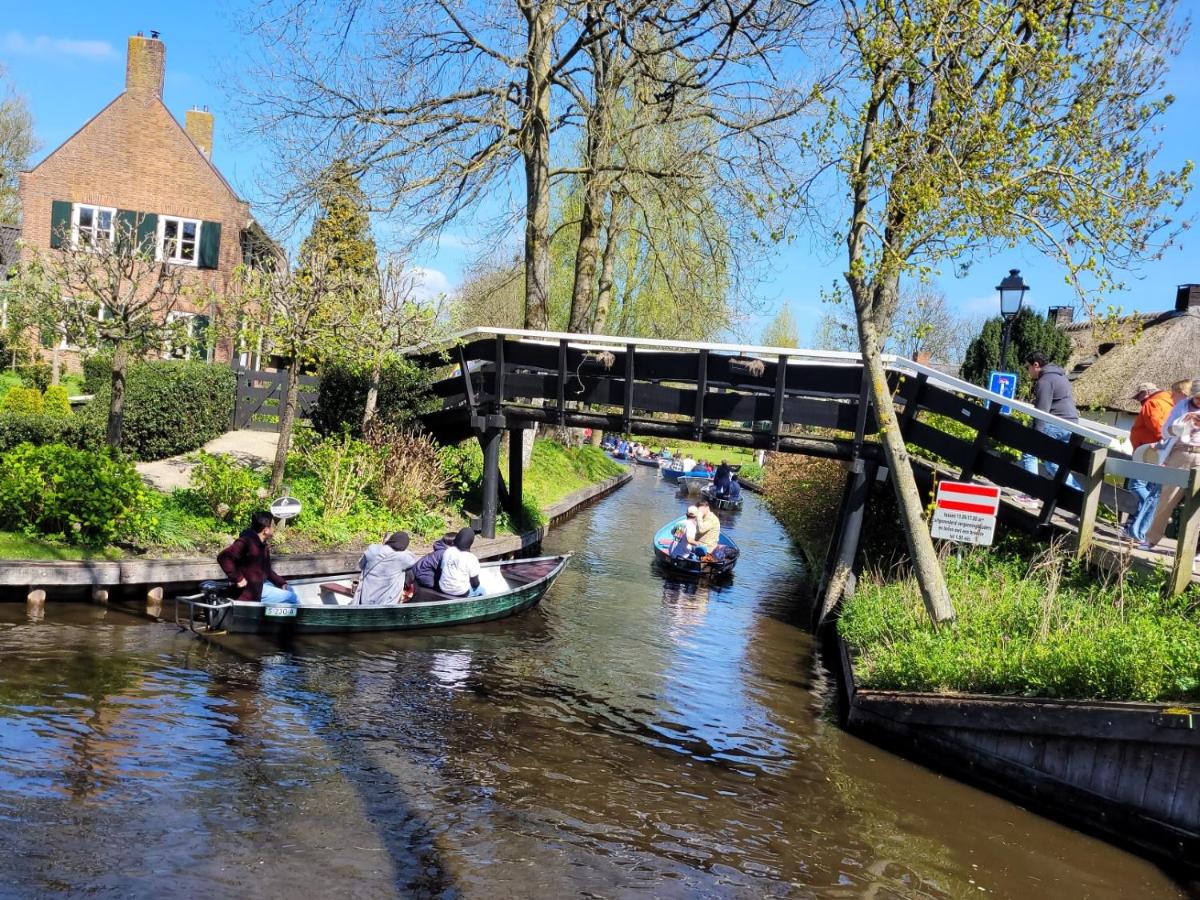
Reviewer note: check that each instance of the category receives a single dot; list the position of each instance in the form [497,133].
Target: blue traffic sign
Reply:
[1004,384]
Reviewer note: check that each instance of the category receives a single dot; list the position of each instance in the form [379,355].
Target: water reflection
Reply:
[635,734]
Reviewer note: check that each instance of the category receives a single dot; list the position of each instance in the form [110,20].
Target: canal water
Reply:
[632,736]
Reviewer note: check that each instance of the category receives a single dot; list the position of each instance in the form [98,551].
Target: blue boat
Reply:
[672,474]
[722,560]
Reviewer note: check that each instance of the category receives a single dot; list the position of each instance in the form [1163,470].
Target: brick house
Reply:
[134,162]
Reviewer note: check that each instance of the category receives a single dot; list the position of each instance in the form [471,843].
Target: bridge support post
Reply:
[1185,540]
[491,480]
[1093,481]
[516,469]
[839,566]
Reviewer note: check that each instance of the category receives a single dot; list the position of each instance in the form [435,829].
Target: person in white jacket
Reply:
[1185,454]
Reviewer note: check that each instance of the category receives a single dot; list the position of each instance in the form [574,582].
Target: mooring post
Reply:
[1185,540]
[100,596]
[491,480]
[154,598]
[516,469]
[35,602]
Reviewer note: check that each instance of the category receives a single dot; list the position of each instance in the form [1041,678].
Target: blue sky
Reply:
[68,60]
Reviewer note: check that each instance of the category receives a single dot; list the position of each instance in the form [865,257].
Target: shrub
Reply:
[55,401]
[23,401]
[84,497]
[462,467]
[35,374]
[228,490]
[171,406]
[39,429]
[97,372]
[403,396]
[348,469]
[412,475]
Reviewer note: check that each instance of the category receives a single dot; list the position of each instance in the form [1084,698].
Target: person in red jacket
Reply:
[247,563]
[1147,429]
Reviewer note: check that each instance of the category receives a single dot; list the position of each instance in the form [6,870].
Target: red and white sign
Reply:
[965,512]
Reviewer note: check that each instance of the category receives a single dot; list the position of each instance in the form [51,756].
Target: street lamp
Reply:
[1012,295]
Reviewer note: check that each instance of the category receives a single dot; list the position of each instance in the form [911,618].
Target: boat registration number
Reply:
[280,611]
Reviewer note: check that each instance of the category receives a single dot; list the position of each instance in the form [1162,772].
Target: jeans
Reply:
[1030,462]
[274,596]
[1147,493]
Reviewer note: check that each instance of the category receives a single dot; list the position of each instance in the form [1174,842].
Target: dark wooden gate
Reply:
[259,400]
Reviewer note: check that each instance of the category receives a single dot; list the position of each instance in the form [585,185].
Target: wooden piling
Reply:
[35,602]
[100,596]
[1185,540]
[154,598]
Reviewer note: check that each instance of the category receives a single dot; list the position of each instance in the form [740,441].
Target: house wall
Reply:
[134,155]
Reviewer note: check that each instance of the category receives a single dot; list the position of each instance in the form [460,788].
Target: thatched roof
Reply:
[1108,360]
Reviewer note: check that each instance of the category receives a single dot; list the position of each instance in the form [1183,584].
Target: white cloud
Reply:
[45,47]
[428,283]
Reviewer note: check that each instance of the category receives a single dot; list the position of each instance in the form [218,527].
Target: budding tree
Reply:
[969,125]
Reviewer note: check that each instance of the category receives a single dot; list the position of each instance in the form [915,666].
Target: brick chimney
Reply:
[144,65]
[1061,315]
[1187,296]
[198,124]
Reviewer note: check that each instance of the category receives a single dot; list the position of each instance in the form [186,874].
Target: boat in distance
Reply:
[722,560]
[716,501]
[326,604]
[646,461]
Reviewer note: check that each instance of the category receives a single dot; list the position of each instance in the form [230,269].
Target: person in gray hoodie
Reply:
[1052,393]
[385,571]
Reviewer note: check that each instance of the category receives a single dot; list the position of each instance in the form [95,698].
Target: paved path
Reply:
[250,447]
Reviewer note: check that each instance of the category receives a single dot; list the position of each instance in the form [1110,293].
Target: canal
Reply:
[630,736]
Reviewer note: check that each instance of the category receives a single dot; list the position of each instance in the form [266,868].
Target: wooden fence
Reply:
[260,394]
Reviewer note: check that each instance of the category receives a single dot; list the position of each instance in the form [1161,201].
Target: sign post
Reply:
[965,512]
[1004,384]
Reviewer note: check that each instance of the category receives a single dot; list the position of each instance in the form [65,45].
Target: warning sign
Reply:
[965,512]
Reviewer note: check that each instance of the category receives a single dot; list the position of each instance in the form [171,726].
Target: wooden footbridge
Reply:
[492,380]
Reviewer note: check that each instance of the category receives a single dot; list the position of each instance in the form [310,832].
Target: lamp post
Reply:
[1012,295]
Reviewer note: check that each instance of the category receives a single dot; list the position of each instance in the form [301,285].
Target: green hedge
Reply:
[74,431]
[79,496]
[171,406]
[403,395]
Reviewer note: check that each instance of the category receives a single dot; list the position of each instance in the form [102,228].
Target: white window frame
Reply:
[161,243]
[94,229]
[168,351]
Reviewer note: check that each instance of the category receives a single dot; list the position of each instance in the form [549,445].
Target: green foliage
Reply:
[23,401]
[228,490]
[803,493]
[348,469]
[462,468]
[781,331]
[171,406]
[97,372]
[341,233]
[403,395]
[79,496]
[1047,628]
[1030,332]
[55,401]
[751,471]
[35,374]
[555,471]
[34,428]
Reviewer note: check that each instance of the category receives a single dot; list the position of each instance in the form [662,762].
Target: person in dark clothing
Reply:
[721,479]
[1052,393]
[247,563]
[426,570]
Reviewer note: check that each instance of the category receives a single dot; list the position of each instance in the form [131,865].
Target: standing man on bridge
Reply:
[1052,393]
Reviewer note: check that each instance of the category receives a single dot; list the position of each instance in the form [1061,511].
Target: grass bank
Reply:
[714,453]
[1031,622]
[555,471]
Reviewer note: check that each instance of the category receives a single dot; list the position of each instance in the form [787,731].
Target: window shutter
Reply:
[210,245]
[60,222]
[147,234]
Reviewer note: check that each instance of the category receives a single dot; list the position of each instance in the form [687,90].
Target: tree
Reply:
[297,311]
[341,231]
[965,125]
[492,294]
[17,144]
[781,331]
[1030,331]
[105,292]
[923,324]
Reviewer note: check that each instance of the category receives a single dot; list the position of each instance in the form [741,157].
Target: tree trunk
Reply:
[56,361]
[535,148]
[591,221]
[608,264]
[116,404]
[372,394]
[287,421]
[930,578]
